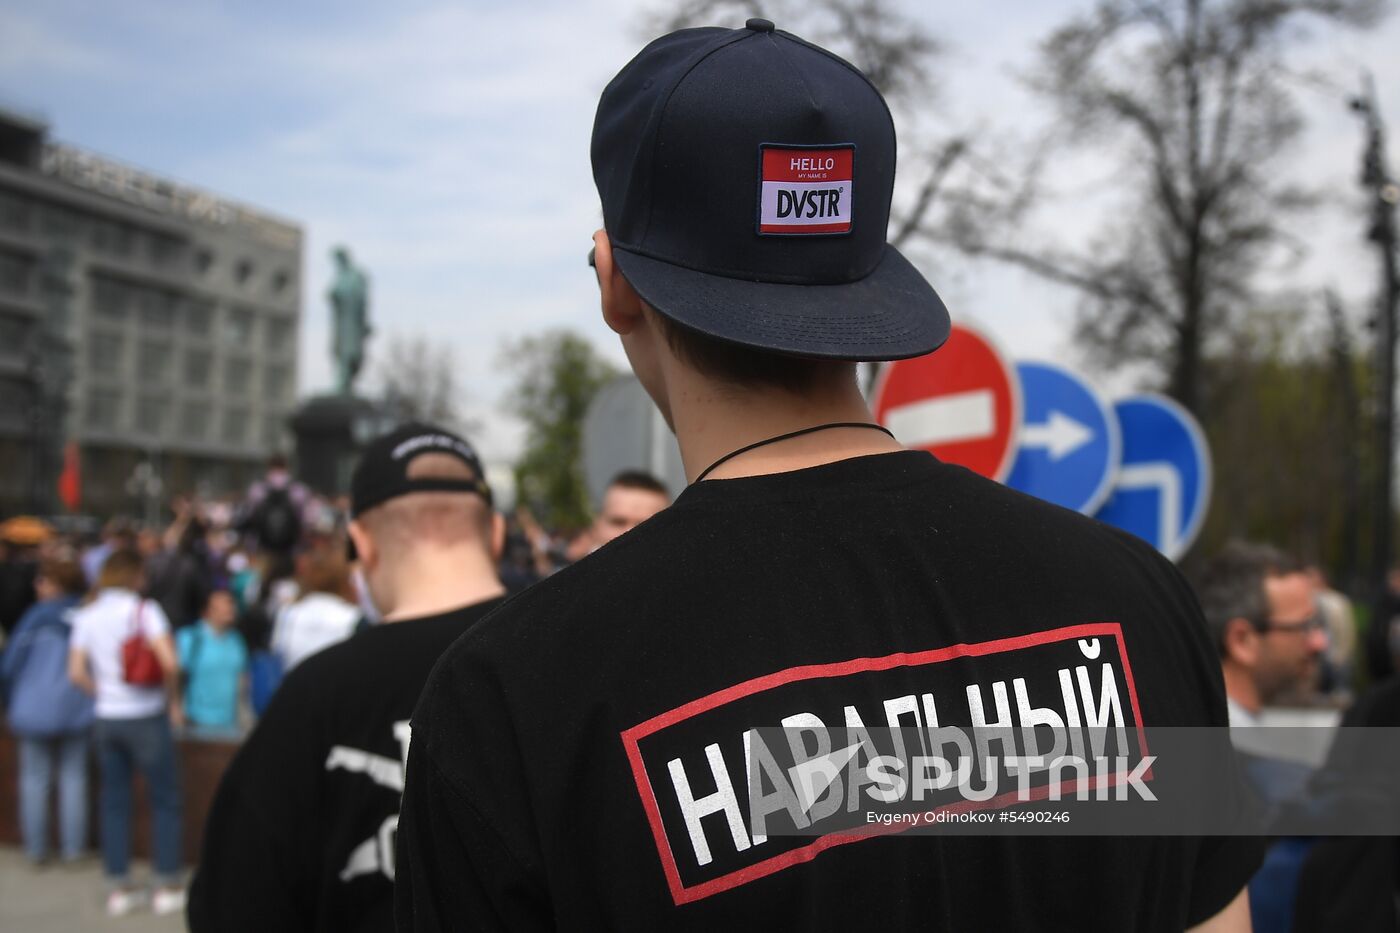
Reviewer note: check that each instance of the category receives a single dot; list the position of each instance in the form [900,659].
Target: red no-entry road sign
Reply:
[961,403]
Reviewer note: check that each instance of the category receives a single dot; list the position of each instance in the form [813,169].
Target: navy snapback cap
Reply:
[745,177]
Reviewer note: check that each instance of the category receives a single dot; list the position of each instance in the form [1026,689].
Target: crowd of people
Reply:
[239,603]
[231,598]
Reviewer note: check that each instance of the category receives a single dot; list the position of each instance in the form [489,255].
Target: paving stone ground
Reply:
[67,900]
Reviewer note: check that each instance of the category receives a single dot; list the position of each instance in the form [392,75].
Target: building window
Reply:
[157,309]
[99,232]
[235,425]
[243,271]
[279,334]
[14,211]
[198,364]
[15,273]
[110,298]
[238,326]
[272,431]
[203,261]
[14,337]
[111,236]
[165,251]
[104,409]
[276,382]
[15,398]
[194,421]
[151,413]
[280,280]
[104,352]
[237,371]
[154,364]
[199,317]
[61,222]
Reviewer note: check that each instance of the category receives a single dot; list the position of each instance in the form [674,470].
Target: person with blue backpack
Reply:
[50,716]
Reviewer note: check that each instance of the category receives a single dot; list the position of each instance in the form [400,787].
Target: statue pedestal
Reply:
[330,432]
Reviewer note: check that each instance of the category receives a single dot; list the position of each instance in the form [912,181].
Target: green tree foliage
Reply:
[1292,455]
[557,374]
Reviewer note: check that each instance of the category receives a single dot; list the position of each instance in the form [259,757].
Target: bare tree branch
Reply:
[1200,94]
[942,163]
[960,181]
[418,380]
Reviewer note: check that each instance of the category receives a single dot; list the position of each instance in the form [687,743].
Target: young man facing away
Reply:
[579,759]
[301,833]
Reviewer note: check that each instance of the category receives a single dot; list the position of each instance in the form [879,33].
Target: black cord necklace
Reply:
[791,434]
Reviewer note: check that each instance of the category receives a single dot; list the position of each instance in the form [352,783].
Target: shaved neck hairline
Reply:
[394,518]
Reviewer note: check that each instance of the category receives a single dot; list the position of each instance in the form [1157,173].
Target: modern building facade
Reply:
[153,325]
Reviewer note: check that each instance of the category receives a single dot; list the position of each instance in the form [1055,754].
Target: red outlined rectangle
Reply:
[682,894]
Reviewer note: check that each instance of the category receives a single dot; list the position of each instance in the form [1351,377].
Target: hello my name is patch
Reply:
[805,190]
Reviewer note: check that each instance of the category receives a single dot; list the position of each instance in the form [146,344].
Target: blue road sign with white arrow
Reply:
[1163,485]
[1069,439]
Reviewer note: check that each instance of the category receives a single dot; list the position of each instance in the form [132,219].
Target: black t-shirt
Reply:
[180,580]
[542,785]
[301,832]
[1353,882]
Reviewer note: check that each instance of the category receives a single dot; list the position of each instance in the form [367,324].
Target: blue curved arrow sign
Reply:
[1163,485]
[1069,439]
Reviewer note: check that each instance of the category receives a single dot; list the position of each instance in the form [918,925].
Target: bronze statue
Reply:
[350,328]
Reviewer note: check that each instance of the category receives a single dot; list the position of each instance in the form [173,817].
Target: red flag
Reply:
[70,483]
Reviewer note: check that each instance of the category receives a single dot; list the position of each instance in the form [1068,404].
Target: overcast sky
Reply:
[447,145]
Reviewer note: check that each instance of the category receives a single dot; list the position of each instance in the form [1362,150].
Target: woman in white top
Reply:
[322,615]
[133,728]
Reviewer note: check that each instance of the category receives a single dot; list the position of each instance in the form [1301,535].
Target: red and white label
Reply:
[962,404]
[806,191]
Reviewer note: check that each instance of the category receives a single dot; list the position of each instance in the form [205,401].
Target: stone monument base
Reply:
[330,432]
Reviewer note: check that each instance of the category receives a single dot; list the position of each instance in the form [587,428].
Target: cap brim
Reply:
[891,314]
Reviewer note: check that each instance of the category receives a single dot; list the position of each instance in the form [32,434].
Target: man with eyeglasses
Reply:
[1264,619]
[1262,614]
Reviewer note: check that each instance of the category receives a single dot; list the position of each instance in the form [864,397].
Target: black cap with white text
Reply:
[383,471]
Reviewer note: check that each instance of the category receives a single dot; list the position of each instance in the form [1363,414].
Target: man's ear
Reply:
[365,551]
[1241,642]
[498,535]
[622,308]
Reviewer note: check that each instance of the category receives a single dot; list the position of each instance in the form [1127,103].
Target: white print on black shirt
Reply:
[823,771]
[691,765]
[375,854]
